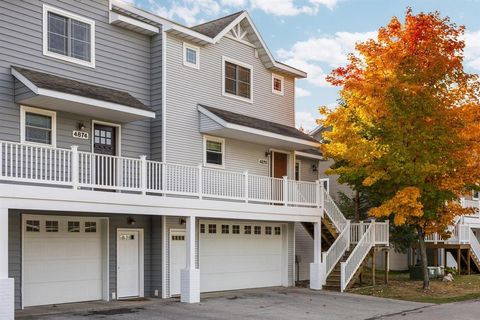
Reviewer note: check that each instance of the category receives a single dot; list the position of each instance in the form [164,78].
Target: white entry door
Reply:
[178,259]
[129,263]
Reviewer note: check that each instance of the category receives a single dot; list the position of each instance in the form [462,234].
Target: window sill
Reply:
[232,96]
[90,64]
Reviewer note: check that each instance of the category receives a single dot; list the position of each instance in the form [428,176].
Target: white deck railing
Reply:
[382,232]
[474,244]
[333,212]
[350,266]
[70,167]
[337,249]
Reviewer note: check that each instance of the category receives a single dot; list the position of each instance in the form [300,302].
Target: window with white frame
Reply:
[237,79]
[214,152]
[38,126]
[191,56]
[68,36]
[475,195]
[277,84]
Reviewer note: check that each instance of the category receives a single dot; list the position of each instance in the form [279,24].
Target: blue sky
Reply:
[316,35]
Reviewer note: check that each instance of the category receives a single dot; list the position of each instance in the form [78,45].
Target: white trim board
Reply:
[51,114]
[141,260]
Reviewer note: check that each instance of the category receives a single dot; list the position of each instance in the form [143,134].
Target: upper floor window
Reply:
[214,151]
[37,126]
[277,84]
[237,80]
[191,56]
[475,195]
[68,36]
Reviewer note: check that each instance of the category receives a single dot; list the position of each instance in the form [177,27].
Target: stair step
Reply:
[332,288]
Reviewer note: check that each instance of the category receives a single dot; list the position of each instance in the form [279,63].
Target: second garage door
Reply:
[240,255]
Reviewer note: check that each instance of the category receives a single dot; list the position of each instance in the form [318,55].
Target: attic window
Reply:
[277,84]
[191,56]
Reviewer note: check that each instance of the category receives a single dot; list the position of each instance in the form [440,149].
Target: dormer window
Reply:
[191,56]
[237,80]
[277,84]
[68,36]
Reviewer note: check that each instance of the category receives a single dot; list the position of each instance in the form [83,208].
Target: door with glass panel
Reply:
[104,147]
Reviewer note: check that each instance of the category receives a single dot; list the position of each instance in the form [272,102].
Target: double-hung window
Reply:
[237,80]
[68,36]
[214,152]
[38,126]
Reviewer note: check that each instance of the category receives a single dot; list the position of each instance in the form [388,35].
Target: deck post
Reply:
[445,257]
[317,268]
[143,174]
[459,261]
[373,265]
[75,171]
[190,276]
[285,190]
[7,300]
[245,175]
[386,266]
[468,261]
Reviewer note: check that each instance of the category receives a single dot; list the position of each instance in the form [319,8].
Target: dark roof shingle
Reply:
[65,85]
[213,28]
[259,124]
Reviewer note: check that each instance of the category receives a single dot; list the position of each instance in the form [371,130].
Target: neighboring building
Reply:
[140,157]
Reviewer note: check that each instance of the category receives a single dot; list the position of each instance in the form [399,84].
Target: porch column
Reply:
[7,302]
[190,276]
[317,268]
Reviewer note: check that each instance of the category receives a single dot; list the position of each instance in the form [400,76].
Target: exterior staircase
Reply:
[345,245]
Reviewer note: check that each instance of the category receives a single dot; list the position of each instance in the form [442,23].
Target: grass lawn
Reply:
[401,287]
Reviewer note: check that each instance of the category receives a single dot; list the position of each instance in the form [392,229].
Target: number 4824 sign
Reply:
[80,134]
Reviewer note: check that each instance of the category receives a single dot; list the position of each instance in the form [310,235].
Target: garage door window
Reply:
[247,230]
[257,230]
[268,230]
[90,227]
[51,226]
[202,228]
[236,229]
[33,226]
[277,231]
[212,228]
[73,226]
[225,229]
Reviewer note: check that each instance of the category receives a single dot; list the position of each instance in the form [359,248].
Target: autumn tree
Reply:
[408,124]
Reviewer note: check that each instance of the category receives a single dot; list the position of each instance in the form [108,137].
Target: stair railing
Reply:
[333,212]
[351,265]
[474,244]
[337,249]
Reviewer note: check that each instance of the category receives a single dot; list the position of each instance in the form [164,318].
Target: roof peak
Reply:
[236,14]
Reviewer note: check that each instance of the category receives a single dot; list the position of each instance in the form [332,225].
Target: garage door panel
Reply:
[240,263]
[62,266]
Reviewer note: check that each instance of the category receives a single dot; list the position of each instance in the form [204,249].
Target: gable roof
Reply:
[214,27]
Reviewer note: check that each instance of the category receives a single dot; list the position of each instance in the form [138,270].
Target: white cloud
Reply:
[300,92]
[305,120]
[186,11]
[281,7]
[315,54]
[330,4]
[472,49]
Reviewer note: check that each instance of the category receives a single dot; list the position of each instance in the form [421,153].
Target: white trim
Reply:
[215,139]
[282,81]
[473,195]
[241,64]
[259,132]
[141,260]
[118,135]
[115,18]
[309,155]
[52,114]
[46,10]
[164,96]
[197,56]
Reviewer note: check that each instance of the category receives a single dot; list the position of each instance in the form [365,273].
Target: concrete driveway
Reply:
[272,303]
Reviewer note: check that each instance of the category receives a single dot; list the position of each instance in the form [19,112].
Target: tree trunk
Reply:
[357,206]
[423,258]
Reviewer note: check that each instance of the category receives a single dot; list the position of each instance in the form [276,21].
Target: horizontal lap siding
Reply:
[123,62]
[156,97]
[188,87]
[306,169]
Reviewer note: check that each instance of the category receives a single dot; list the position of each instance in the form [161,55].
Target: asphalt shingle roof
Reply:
[61,84]
[213,28]
[259,124]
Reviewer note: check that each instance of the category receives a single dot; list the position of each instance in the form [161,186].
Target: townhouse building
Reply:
[143,158]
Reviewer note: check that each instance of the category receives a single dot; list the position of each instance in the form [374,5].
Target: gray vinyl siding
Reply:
[291,253]
[151,226]
[187,87]
[306,171]
[122,60]
[335,186]
[304,251]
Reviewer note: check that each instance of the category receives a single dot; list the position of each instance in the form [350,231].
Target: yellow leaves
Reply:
[404,205]
[374,177]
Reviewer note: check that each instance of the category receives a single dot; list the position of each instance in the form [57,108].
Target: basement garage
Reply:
[64,259]
[235,255]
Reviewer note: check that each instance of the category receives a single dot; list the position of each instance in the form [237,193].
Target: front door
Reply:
[128,263]
[280,165]
[104,145]
[178,259]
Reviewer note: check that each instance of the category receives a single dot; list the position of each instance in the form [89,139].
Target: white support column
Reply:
[190,276]
[7,300]
[317,268]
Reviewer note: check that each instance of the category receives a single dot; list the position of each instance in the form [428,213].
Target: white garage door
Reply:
[62,260]
[239,255]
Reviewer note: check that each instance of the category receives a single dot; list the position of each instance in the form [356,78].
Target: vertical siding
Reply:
[122,63]
[186,87]
[151,226]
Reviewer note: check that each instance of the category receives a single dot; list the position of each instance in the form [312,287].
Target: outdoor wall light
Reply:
[182,221]
[314,168]
[268,154]
[81,126]
[131,221]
